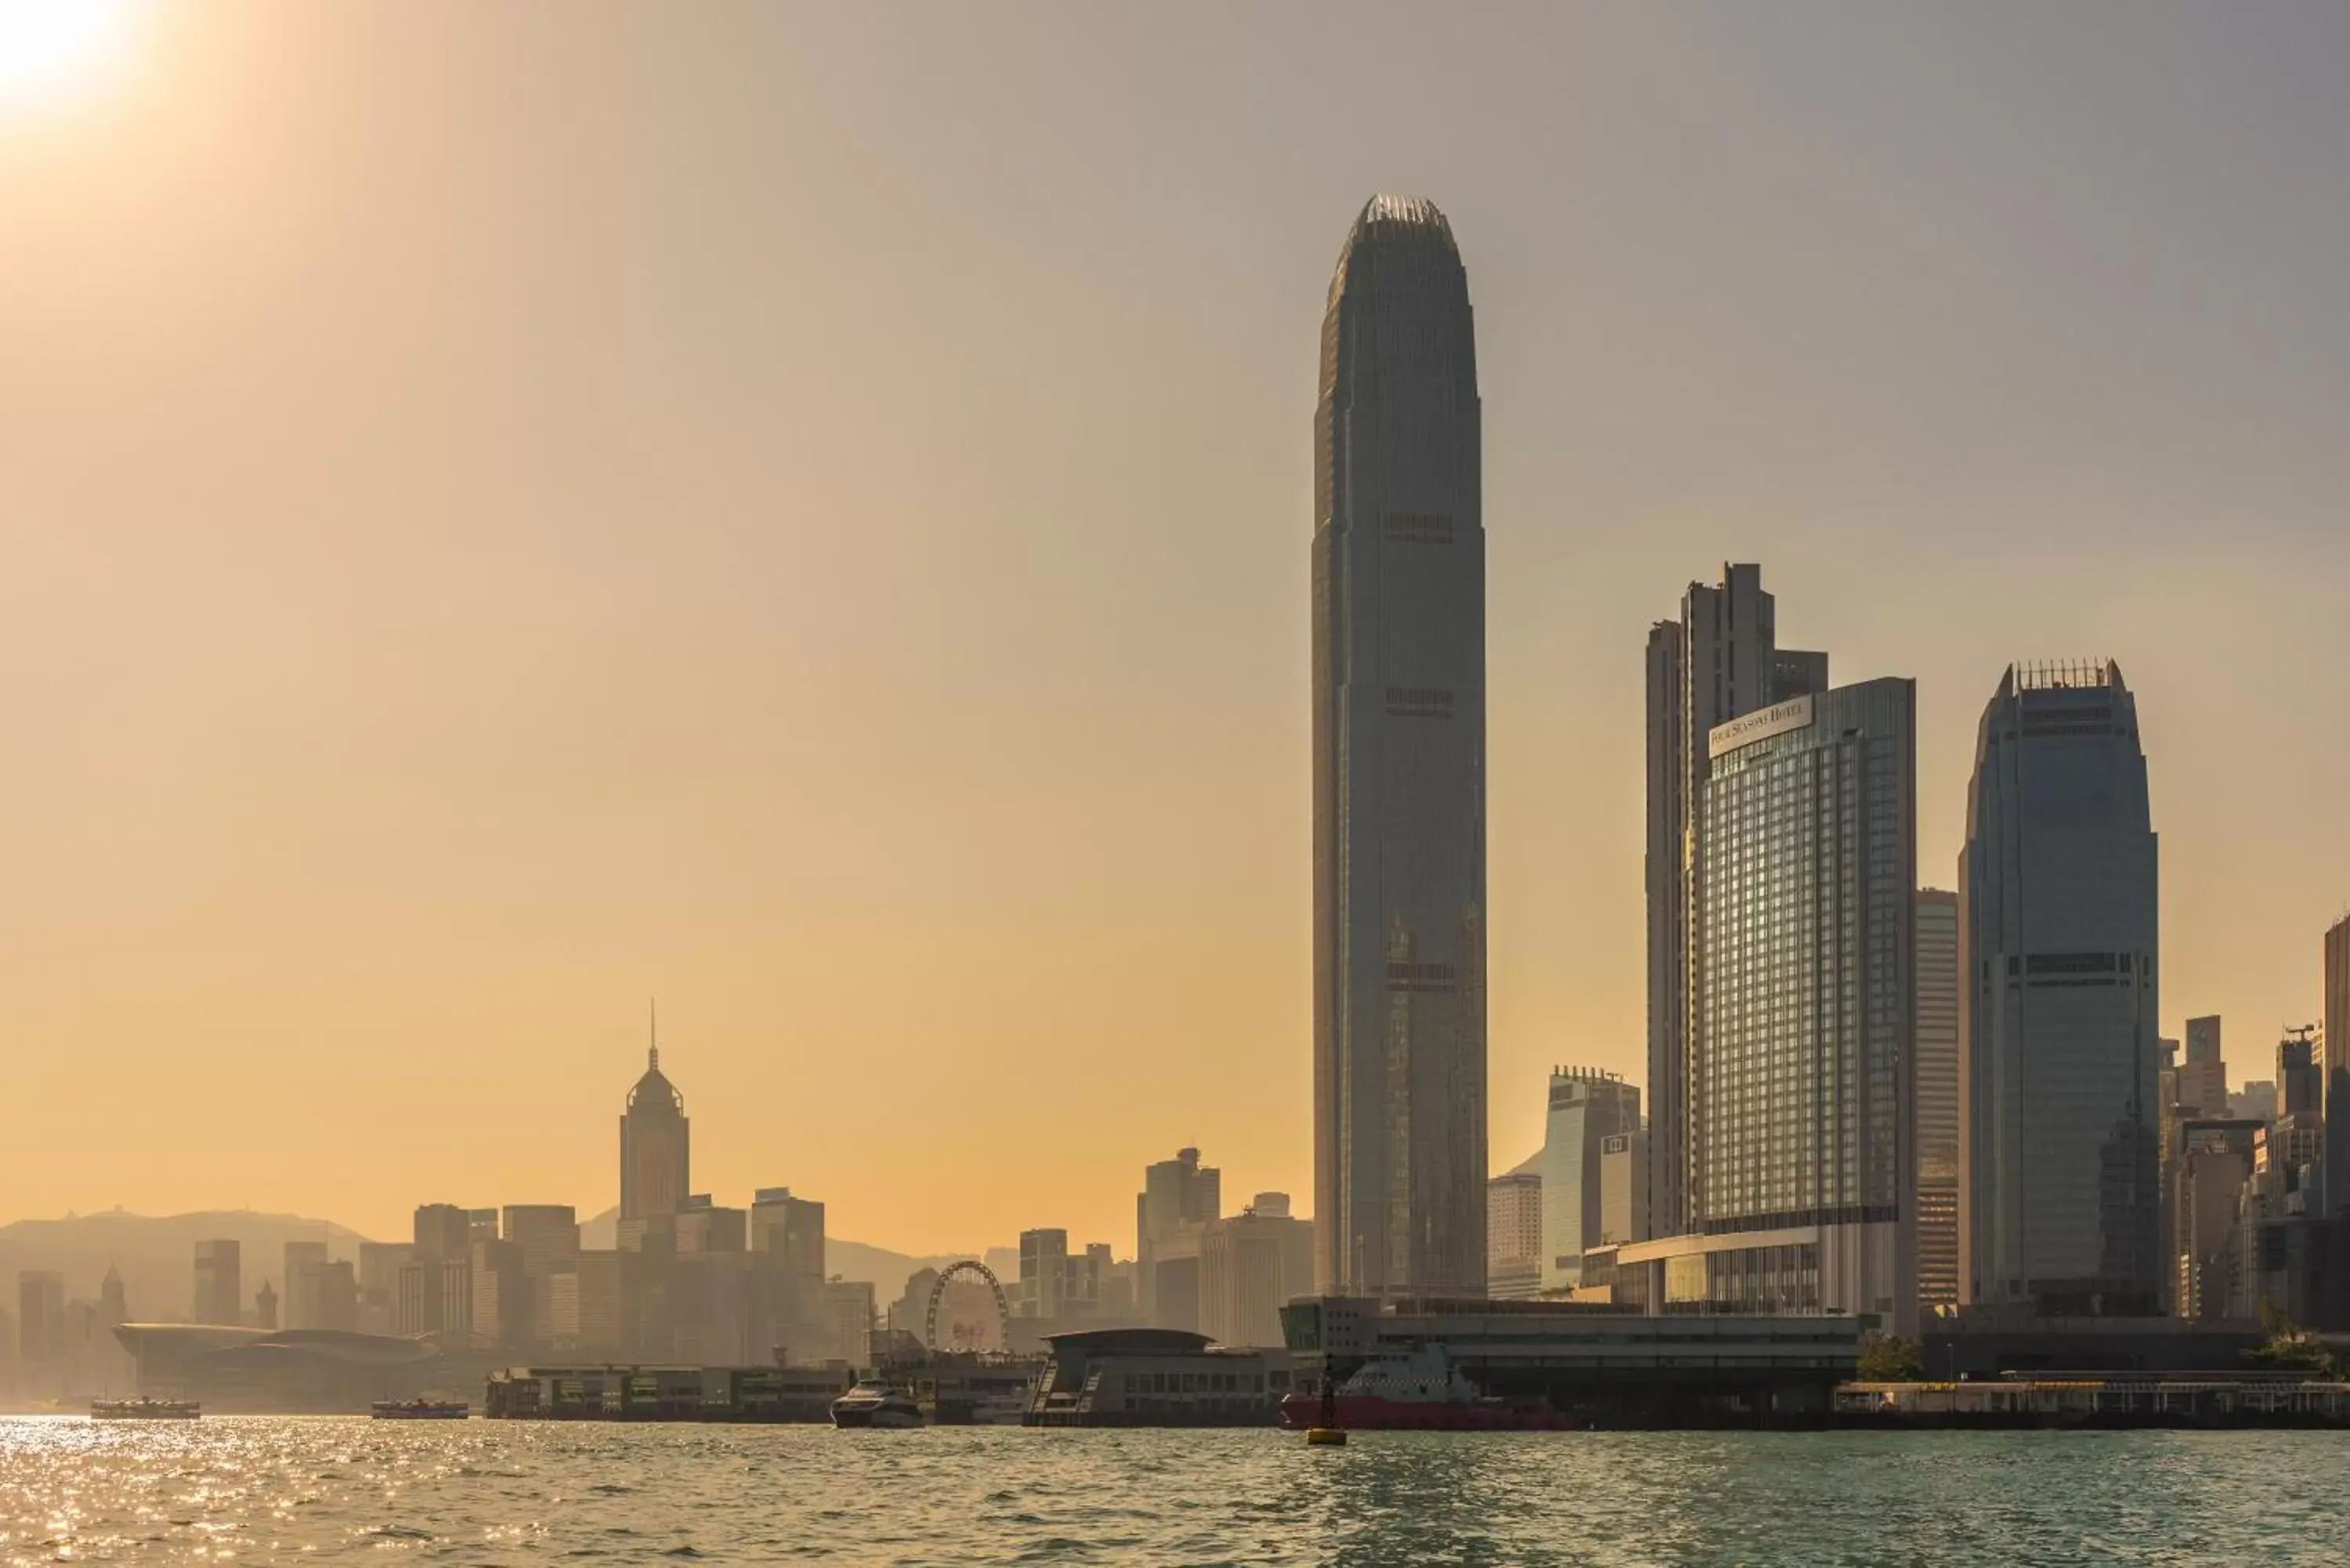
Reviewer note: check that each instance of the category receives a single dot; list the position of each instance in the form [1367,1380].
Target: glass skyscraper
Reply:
[1720,659]
[1937,1079]
[2335,1065]
[1806,940]
[1399,573]
[2057,885]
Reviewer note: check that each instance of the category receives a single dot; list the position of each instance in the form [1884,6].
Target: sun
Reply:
[48,46]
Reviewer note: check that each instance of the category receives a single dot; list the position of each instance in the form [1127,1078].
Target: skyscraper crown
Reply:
[654,1092]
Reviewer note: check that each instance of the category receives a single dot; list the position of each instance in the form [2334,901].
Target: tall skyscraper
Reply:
[548,1237]
[304,1293]
[1937,1079]
[220,1282]
[499,1293]
[40,1315]
[2336,1046]
[1805,1029]
[2203,1076]
[1587,1107]
[2300,1078]
[1719,661]
[1398,573]
[1175,1192]
[2058,948]
[656,1164]
[1045,1277]
[2296,1133]
[788,1273]
[442,1240]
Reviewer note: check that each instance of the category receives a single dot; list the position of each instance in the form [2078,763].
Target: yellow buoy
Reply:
[1326,1437]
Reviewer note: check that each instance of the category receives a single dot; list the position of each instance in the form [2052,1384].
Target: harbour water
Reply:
[261,1488]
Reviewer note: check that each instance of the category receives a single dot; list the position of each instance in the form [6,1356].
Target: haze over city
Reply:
[482,547]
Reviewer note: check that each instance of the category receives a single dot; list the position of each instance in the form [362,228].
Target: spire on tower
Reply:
[653,1056]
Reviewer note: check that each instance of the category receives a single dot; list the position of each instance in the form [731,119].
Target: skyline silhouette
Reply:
[835,559]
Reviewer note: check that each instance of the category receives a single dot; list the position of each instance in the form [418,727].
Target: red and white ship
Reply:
[1417,1390]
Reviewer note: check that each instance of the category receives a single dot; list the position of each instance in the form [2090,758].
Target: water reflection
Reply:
[258,1488]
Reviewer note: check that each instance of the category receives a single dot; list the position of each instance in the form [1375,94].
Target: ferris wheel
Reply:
[939,1290]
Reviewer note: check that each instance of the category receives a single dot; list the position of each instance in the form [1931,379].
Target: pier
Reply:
[2088,1400]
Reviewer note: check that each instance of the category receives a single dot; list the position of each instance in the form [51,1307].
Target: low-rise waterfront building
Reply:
[289,1371]
[1606,1363]
[664,1393]
[1157,1377]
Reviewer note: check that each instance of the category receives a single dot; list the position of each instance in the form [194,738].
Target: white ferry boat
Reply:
[875,1402]
[144,1409]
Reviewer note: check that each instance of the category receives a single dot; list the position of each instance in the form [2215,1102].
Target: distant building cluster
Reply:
[1195,1268]
[687,1281]
[51,1342]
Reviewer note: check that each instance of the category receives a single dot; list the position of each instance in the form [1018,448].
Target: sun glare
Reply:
[52,47]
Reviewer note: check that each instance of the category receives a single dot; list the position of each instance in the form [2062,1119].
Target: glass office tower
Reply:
[1936,1075]
[1719,660]
[2057,885]
[1399,573]
[1805,1105]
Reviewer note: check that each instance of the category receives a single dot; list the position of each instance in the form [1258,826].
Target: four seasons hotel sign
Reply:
[1763,722]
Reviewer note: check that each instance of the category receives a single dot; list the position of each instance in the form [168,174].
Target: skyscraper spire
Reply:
[654,1158]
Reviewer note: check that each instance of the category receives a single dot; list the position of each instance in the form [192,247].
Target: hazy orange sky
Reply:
[508,510]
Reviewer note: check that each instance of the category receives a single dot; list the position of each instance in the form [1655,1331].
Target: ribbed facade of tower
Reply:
[2059,1000]
[1936,1076]
[2336,1063]
[1806,940]
[1398,768]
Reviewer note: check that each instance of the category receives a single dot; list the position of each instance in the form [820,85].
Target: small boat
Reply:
[420,1410]
[1414,1390]
[875,1402]
[144,1409]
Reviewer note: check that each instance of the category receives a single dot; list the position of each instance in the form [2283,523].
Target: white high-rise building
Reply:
[1586,1107]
